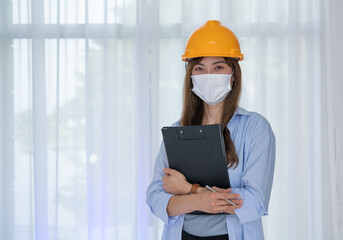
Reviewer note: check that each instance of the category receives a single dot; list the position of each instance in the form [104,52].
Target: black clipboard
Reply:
[199,153]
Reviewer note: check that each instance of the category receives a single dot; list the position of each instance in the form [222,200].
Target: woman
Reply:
[212,89]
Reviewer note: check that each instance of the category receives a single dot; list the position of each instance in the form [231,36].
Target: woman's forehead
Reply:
[210,60]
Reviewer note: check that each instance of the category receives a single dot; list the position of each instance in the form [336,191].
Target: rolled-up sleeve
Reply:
[156,197]
[258,171]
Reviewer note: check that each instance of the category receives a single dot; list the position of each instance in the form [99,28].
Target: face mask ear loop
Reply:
[186,66]
[233,71]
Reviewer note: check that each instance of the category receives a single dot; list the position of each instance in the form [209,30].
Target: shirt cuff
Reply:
[161,210]
[251,209]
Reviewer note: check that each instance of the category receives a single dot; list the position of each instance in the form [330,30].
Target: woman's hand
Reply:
[175,182]
[214,202]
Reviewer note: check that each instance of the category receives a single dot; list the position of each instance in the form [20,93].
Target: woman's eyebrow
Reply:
[200,64]
[218,62]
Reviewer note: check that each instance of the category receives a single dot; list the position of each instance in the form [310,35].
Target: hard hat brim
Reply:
[188,57]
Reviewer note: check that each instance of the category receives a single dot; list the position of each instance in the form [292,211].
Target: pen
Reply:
[211,189]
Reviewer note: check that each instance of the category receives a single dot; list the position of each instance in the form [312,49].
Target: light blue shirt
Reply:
[252,179]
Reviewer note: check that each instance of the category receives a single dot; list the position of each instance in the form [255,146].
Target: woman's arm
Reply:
[258,171]
[204,200]
[156,197]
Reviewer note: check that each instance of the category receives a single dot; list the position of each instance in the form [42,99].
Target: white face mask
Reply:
[212,88]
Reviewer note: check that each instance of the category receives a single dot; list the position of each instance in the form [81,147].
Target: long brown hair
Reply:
[193,108]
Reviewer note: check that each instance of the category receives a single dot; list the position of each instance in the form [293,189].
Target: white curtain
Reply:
[332,123]
[85,87]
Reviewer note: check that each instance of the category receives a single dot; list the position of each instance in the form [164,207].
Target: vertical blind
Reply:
[86,86]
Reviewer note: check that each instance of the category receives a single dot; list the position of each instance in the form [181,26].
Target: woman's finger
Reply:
[228,208]
[170,171]
[237,201]
[222,190]
[166,170]
[228,195]
[225,203]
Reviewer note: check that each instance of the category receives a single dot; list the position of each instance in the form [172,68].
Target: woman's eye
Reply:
[219,67]
[198,68]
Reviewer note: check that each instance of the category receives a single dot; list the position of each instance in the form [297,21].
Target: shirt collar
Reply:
[238,111]
[241,111]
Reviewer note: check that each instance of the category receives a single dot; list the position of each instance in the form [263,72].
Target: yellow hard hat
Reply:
[212,40]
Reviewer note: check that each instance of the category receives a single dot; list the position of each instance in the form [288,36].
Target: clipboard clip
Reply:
[190,133]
